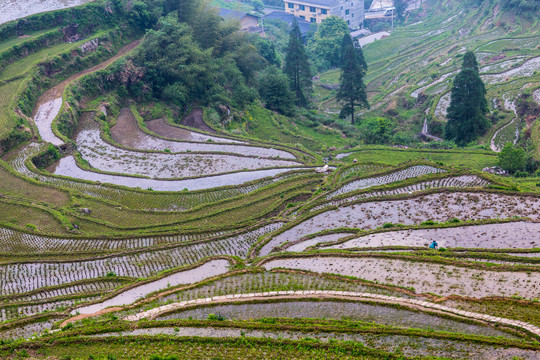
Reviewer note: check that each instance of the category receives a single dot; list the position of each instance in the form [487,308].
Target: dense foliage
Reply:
[174,67]
[468,105]
[324,48]
[297,67]
[512,159]
[275,91]
[352,90]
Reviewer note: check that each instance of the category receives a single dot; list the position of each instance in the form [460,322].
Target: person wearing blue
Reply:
[434,245]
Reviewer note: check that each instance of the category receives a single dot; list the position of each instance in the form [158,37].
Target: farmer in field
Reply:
[434,245]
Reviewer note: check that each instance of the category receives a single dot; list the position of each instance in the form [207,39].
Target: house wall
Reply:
[311,12]
[351,11]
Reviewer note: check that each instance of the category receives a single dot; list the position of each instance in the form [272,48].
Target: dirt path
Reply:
[56,91]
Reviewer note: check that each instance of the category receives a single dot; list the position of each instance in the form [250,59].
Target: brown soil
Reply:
[56,91]
[126,131]
[162,128]
[195,120]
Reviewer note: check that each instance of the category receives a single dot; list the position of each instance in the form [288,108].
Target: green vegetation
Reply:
[352,90]
[102,240]
[468,104]
[297,67]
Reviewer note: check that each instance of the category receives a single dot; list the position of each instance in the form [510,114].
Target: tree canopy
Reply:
[352,90]
[275,91]
[325,45]
[178,69]
[297,67]
[512,158]
[468,105]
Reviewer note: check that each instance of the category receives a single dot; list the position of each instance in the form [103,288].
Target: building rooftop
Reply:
[284,16]
[326,3]
[233,14]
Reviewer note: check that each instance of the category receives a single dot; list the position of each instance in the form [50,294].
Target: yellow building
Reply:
[315,11]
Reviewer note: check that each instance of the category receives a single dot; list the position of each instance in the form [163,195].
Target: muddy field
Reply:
[435,207]
[518,235]
[162,128]
[15,9]
[429,278]
[105,157]
[209,269]
[127,133]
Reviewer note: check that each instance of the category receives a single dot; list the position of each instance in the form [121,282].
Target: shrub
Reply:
[215,317]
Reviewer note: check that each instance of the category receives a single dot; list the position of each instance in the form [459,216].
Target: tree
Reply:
[326,42]
[512,158]
[469,61]
[400,6]
[468,105]
[297,67]
[258,6]
[352,90]
[275,92]
[376,130]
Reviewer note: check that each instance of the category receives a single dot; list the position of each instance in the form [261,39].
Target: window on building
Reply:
[352,4]
[347,12]
[342,8]
[352,14]
[302,7]
[312,9]
[324,11]
[302,17]
[290,5]
[348,22]
[312,20]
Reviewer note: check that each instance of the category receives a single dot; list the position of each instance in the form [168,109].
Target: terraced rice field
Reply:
[109,159]
[138,237]
[519,235]
[435,207]
[127,133]
[432,278]
[401,175]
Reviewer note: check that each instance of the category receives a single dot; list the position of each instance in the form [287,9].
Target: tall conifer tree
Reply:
[468,105]
[352,90]
[297,67]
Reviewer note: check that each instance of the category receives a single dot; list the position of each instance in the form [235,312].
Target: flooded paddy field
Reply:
[513,235]
[401,175]
[126,132]
[464,181]
[23,277]
[355,311]
[107,158]
[439,207]
[429,277]
[199,226]
[15,9]
[68,167]
[209,269]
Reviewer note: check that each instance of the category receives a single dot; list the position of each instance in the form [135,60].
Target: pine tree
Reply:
[297,67]
[352,90]
[468,105]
